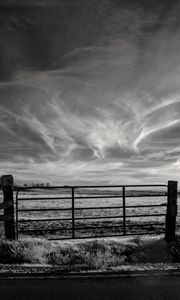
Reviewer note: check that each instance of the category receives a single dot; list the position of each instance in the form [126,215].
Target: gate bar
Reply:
[124,210]
[73,233]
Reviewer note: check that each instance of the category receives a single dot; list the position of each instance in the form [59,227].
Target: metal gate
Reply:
[63,212]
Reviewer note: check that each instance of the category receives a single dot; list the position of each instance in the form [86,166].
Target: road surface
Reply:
[134,288]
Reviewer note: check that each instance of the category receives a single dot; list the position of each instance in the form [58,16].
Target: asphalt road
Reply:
[136,288]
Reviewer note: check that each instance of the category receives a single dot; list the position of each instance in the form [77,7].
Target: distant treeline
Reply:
[16,186]
[41,184]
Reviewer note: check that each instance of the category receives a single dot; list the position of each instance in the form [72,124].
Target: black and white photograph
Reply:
[89,149]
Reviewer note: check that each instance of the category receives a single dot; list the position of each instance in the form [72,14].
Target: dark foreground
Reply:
[136,287]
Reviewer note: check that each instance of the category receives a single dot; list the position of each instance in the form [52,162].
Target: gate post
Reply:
[7,187]
[171,211]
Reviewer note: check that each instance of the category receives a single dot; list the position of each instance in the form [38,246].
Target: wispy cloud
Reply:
[94,97]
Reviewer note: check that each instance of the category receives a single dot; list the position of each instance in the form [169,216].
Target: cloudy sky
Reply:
[90,91]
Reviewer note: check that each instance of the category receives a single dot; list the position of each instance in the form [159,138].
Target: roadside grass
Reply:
[98,254]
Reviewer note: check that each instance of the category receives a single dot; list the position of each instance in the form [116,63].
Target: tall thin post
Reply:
[73,231]
[171,212]
[124,210]
[7,187]
[17,234]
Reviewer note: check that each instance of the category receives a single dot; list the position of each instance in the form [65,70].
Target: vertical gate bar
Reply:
[124,210]
[17,214]
[73,233]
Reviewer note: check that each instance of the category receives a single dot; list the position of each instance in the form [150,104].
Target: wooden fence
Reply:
[8,207]
[11,223]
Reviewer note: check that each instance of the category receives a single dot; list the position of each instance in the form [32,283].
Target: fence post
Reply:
[124,210]
[7,187]
[171,211]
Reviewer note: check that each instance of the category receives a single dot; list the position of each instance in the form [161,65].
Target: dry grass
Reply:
[96,254]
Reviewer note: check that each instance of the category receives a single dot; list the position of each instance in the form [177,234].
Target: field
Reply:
[97,212]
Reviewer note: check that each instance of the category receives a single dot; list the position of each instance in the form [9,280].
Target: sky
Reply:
[90,91]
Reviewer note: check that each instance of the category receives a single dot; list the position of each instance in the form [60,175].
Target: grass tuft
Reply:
[102,254]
